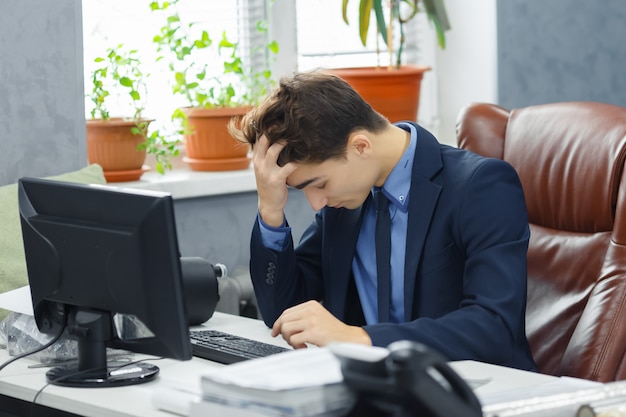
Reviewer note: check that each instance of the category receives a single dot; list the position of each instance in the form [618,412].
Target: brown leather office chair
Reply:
[570,159]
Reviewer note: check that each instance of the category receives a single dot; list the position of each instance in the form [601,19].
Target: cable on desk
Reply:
[32,352]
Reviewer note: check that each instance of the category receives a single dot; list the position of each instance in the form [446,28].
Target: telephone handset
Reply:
[406,379]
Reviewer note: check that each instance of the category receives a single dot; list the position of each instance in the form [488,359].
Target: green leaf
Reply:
[179,77]
[178,114]
[380,20]
[225,43]
[344,11]
[365,11]
[436,12]
[126,82]
[273,47]
[262,26]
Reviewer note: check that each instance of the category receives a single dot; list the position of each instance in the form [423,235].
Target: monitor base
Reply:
[116,375]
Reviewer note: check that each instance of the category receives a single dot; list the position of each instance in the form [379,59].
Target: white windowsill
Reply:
[185,183]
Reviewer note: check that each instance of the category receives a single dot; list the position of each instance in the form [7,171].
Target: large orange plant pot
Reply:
[394,93]
[112,144]
[208,145]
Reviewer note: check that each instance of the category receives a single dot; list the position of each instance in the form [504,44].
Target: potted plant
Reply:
[119,144]
[192,56]
[392,89]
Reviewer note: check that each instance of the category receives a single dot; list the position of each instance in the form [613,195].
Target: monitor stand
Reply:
[93,329]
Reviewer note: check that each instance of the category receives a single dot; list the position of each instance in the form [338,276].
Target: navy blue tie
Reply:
[383,255]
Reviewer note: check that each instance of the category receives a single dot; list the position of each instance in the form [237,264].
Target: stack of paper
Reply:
[298,383]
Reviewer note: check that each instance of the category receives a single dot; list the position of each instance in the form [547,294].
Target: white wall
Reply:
[467,68]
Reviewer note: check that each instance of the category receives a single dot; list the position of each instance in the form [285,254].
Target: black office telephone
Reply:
[405,380]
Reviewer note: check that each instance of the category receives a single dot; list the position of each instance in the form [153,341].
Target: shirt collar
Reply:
[398,183]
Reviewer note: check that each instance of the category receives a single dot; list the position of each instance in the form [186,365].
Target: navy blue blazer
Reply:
[465,266]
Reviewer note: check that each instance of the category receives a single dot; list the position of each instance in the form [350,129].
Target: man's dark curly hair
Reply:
[314,113]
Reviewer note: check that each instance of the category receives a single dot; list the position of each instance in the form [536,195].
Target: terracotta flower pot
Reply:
[112,144]
[393,93]
[209,146]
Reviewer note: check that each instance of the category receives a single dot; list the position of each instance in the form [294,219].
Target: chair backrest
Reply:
[570,159]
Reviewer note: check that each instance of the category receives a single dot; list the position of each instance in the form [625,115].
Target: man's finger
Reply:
[260,147]
[274,150]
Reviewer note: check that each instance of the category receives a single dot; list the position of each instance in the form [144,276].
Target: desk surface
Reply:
[19,381]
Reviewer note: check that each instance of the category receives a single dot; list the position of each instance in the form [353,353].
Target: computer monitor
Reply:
[101,259]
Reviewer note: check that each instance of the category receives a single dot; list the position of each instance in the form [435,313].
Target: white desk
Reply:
[19,381]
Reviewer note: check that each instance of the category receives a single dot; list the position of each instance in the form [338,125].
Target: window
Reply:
[107,23]
[324,40]
[310,33]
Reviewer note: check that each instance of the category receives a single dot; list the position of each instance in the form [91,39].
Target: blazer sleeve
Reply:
[282,279]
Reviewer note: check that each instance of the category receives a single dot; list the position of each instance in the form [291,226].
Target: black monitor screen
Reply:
[102,260]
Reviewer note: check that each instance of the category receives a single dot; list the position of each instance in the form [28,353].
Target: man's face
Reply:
[335,182]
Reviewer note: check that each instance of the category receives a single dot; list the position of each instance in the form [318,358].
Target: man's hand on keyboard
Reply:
[310,322]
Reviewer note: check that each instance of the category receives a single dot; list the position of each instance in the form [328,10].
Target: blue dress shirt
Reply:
[396,188]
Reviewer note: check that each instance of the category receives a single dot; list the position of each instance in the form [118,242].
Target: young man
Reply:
[459,230]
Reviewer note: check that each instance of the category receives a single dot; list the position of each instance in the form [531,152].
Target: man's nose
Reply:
[316,199]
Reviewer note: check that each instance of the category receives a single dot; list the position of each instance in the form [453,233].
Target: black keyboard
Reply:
[227,348]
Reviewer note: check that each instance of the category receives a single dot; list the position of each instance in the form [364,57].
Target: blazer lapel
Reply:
[423,199]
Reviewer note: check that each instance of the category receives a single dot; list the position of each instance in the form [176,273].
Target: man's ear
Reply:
[360,143]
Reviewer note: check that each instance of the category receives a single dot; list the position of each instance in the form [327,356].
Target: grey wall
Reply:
[42,129]
[561,50]
[218,228]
